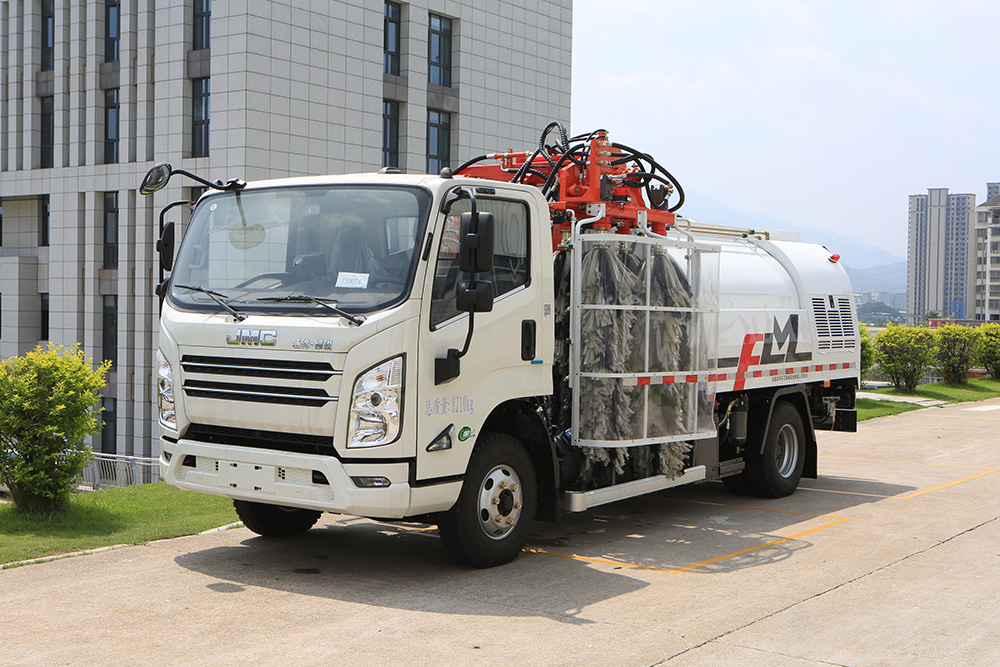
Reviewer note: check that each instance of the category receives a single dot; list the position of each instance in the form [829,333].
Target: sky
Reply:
[823,114]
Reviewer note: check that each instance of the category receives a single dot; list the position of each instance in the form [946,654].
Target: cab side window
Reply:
[510,254]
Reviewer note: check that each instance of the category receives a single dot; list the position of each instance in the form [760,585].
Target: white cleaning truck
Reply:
[530,332]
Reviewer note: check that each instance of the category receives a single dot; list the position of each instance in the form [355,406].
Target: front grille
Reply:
[254,393]
[309,371]
[301,443]
[835,326]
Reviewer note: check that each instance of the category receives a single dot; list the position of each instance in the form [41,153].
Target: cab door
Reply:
[509,355]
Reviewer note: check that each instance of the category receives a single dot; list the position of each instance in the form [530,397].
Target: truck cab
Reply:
[300,328]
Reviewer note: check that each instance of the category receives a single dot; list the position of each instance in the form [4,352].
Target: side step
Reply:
[580,501]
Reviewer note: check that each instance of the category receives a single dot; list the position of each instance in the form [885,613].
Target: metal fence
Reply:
[114,470]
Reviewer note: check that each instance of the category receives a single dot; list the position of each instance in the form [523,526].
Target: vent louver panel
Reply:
[317,371]
[835,327]
[252,380]
[257,393]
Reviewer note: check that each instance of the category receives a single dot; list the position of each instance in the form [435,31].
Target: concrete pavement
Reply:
[889,558]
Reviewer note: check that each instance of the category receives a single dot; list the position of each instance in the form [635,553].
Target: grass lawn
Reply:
[977,389]
[870,409]
[133,515]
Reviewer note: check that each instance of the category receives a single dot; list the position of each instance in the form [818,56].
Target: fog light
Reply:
[371,482]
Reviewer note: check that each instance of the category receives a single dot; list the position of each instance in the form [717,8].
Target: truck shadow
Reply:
[694,530]
[704,529]
[404,566]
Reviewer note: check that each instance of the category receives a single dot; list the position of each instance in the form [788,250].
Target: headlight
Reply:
[165,390]
[375,405]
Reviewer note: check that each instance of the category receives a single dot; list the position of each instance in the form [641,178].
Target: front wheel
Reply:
[273,520]
[488,525]
[776,472]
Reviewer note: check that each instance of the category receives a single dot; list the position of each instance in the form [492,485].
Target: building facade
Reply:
[987,235]
[940,255]
[96,91]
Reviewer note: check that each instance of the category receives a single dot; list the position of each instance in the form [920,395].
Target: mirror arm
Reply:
[234,184]
[163,212]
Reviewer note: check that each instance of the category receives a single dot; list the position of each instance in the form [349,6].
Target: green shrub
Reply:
[48,407]
[957,351]
[867,351]
[989,351]
[905,354]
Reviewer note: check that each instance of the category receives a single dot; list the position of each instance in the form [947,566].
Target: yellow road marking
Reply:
[945,486]
[692,566]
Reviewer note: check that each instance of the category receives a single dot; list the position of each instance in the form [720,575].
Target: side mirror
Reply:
[475,296]
[165,246]
[155,178]
[476,242]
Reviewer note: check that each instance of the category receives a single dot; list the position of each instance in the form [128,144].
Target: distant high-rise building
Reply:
[987,251]
[939,267]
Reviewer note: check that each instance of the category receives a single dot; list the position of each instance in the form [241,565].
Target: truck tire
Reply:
[273,520]
[489,523]
[775,472]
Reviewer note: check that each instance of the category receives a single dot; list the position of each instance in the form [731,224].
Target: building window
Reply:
[110,230]
[202,24]
[109,340]
[439,51]
[1,223]
[112,31]
[48,36]
[109,432]
[199,117]
[111,109]
[390,134]
[48,130]
[43,221]
[438,140]
[43,334]
[393,13]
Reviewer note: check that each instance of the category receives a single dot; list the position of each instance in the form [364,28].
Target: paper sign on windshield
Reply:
[352,280]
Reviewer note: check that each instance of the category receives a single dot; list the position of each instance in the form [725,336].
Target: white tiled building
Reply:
[939,255]
[987,230]
[96,91]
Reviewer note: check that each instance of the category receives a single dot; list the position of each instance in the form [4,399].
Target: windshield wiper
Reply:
[353,319]
[216,297]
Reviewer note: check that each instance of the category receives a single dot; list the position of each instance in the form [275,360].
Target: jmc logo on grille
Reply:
[253,337]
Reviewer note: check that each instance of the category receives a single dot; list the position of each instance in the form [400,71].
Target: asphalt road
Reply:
[891,557]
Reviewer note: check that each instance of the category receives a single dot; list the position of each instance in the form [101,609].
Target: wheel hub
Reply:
[500,501]
[786,451]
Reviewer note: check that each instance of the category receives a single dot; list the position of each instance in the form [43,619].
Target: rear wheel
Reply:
[274,520]
[489,523]
[775,472]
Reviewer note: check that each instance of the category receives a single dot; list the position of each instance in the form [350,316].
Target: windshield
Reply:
[267,250]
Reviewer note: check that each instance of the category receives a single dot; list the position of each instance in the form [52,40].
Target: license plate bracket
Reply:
[246,476]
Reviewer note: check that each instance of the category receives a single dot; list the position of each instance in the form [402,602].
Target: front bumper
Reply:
[288,479]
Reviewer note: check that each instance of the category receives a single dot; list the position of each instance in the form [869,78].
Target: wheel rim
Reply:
[500,502]
[786,452]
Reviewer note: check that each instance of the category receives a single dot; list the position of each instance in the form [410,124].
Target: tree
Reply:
[48,408]
[989,351]
[957,351]
[867,351]
[905,354]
